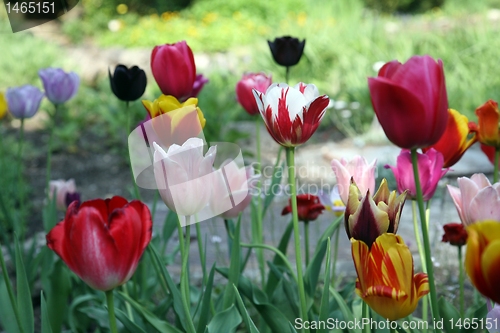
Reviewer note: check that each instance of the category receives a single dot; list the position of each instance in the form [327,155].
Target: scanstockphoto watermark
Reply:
[372,324]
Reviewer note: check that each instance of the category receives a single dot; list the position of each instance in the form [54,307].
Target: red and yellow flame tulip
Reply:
[367,217]
[385,276]
[488,117]
[459,135]
[482,260]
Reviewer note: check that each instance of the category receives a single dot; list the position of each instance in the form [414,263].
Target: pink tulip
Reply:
[174,69]
[476,199]
[182,175]
[244,94]
[430,170]
[410,101]
[359,169]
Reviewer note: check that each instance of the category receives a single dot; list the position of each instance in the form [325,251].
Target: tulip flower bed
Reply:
[104,265]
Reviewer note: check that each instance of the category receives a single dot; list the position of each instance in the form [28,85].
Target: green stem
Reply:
[287,74]
[127,304]
[495,166]
[421,253]
[306,242]
[19,182]
[461,281]
[425,236]
[201,252]
[365,313]
[12,298]
[49,147]
[392,330]
[153,209]
[260,229]
[185,292]
[137,194]
[290,155]
[335,255]
[111,311]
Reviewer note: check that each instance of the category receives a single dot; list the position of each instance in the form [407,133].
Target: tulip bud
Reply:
[244,93]
[309,207]
[455,234]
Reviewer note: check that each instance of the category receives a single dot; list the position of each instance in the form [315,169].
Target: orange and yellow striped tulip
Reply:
[459,135]
[385,276]
[482,260]
[488,118]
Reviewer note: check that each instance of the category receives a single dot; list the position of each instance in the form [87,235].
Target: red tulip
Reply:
[174,69]
[309,207]
[410,101]
[244,87]
[291,114]
[102,240]
[455,234]
[489,151]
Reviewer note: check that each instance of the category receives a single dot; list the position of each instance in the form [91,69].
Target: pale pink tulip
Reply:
[231,191]
[182,175]
[430,170]
[60,188]
[359,169]
[476,199]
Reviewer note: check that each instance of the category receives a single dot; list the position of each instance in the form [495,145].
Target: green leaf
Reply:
[205,306]
[58,294]
[251,328]
[275,319]
[276,179]
[324,308]
[7,315]
[234,267]
[449,314]
[225,321]
[160,325]
[45,315]
[73,323]
[127,323]
[272,279]
[311,274]
[348,316]
[24,303]
[176,295]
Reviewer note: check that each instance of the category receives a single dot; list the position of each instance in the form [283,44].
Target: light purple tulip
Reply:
[332,201]
[59,85]
[493,317]
[183,175]
[24,101]
[476,199]
[61,188]
[430,170]
[359,169]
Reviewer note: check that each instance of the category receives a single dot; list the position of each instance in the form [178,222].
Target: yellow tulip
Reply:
[482,260]
[168,103]
[3,106]
[385,276]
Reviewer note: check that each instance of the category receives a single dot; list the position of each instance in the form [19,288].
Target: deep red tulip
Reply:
[102,240]
[174,69]
[309,207]
[291,114]
[489,151]
[244,94]
[410,101]
[455,234]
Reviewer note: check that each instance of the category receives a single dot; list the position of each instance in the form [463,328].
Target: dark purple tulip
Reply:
[24,101]
[198,84]
[128,84]
[59,86]
[287,50]
[70,197]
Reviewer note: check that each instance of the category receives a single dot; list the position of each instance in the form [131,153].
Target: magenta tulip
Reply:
[476,199]
[430,171]
[362,173]
[174,69]
[244,94]
[410,101]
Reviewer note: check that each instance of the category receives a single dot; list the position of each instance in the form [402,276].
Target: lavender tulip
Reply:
[59,85]
[24,101]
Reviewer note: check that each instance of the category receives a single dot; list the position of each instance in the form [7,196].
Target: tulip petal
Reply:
[485,205]
[490,264]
